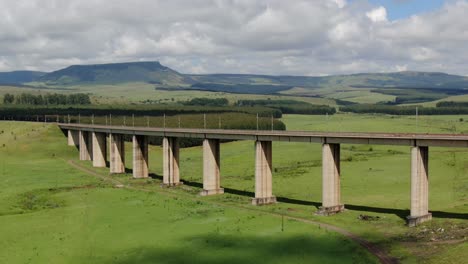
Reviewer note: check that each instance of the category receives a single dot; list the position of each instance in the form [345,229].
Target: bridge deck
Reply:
[403,139]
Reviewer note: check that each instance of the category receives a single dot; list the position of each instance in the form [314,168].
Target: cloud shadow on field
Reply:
[234,249]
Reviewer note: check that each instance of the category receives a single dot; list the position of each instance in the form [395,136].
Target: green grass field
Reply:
[50,212]
[53,213]
[357,95]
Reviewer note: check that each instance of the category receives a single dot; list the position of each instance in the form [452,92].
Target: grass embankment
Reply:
[50,212]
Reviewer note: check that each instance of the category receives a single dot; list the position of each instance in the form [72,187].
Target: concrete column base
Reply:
[212,192]
[117,154]
[171,175]
[99,141]
[264,200]
[140,156]
[73,138]
[86,146]
[416,220]
[331,210]
[173,184]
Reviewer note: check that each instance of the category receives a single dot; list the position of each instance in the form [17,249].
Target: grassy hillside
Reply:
[19,77]
[406,79]
[150,72]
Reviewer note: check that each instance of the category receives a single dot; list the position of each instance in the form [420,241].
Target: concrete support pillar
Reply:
[419,186]
[99,149]
[211,165]
[73,138]
[117,153]
[331,201]
[170,162]
[140,156]
[263,175]
[86,148]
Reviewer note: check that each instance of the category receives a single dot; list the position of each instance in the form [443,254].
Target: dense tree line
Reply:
[47,99]
[307,110]
[452,104]
[213,121]
[241,88]
[344,102]
[268,102]
[403,110]
[21,112]
[411,99]
[207,102]
[290,106]
[231,120]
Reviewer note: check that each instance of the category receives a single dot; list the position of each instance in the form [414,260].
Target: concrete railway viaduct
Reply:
[92,141]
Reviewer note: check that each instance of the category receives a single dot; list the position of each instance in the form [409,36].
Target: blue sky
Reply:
[397,9]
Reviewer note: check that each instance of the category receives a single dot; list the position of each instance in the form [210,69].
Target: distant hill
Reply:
[408,79]
[150,72]
[19,77]
[167,78]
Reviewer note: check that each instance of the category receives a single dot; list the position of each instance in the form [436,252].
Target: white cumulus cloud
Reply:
[377,15]
[299,37]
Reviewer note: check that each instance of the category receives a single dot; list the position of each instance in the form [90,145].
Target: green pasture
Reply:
[365,96]
[357,95]
[375,179]
[349,122]
[50,211]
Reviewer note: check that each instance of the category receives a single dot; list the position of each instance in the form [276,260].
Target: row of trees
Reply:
[452,104]
[403,110]
[291,106]
[228,120]
[47,99]
[207,102]
[30,112]
[241,88]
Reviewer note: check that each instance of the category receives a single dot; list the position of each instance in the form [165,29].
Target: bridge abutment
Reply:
[140,156]
[171,175]
[331,200]
[263,173]
[85,146]
[99,149]
[419,186]
[211,168]
[117,153]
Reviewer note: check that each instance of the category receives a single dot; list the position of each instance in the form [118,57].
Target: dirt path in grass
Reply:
[373,249]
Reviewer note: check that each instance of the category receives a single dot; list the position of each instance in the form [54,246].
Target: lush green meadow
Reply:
[50,211]
[375,181]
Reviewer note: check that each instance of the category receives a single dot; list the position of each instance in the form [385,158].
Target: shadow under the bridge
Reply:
[402,213]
